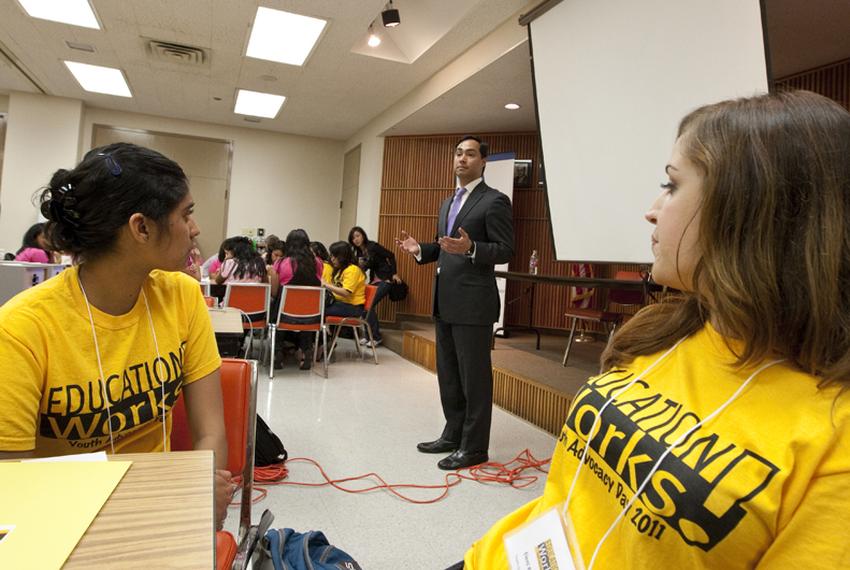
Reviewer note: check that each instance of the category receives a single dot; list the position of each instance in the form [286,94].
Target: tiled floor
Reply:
[368,418]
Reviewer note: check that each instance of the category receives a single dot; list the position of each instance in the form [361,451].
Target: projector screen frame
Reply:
[539,10]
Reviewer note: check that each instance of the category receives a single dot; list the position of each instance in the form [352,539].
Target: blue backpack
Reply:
[290,550]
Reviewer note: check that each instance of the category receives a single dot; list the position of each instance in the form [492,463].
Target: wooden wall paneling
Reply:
[418,176]
[831,81]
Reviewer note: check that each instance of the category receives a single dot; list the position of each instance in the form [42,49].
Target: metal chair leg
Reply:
[271,353]
[334,341]
[324,351]
[372,343]
[357,342]
[569,342]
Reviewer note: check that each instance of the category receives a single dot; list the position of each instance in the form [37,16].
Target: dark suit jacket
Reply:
[467,292]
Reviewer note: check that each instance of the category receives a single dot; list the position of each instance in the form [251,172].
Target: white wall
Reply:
[277,181]
[42,135]
[4,103]
[493,46]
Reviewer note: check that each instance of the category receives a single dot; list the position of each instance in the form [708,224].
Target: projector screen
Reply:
[612,80]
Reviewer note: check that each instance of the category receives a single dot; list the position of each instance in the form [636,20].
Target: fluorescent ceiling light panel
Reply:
[256,104]
[283,37]
[74,12]
[98,79]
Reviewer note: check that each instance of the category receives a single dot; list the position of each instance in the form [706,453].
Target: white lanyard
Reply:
[102,382]
[655,467]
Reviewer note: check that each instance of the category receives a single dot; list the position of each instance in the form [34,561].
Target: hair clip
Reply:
[111,164]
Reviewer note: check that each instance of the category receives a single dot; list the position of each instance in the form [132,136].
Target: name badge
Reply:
[546,543]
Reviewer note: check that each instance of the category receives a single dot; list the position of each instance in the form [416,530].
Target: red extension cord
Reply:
[511,473]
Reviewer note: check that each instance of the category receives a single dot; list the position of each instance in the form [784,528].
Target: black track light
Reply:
[390,16]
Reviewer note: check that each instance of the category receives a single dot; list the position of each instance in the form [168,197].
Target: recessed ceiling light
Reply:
[283,37]
[98,79]
[74,12]
[511,106]
[256,104]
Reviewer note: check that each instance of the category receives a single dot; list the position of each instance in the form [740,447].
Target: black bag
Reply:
[268,449]
[398,291]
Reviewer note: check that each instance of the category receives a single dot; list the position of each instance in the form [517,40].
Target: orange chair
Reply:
[225,550]
[609,319]
[355,323]
[239,395]
[302,309]
[253,299]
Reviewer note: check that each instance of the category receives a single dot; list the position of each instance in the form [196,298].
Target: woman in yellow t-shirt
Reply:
[94,358]
[346,281]
[719,434]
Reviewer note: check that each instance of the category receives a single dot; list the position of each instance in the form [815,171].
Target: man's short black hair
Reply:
[483,147]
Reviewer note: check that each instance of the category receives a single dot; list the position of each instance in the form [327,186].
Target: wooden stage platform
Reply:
[529,383]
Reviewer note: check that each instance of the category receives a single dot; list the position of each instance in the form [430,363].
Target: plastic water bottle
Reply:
[532,263]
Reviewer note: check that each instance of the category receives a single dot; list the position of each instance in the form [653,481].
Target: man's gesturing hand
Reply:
[407,243]
[459,245]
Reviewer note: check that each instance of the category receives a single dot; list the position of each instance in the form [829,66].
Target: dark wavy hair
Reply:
[87,206]
[773,236]
[320,251]
[248,262]
[341,250]
[31,238]
[362,232]
[301,258]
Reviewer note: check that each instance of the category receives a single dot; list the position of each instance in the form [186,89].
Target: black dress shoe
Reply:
[460,459]
[439,445]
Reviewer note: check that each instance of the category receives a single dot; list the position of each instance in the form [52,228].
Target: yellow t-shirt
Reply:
[352,278]
[765,484]
[50,396]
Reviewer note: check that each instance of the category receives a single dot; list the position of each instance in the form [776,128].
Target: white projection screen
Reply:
[613,78]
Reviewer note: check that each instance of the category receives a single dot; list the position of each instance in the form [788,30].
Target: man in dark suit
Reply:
[474,233]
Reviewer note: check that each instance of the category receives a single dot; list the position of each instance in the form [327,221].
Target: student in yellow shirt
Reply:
[719,434]
[94,358]
[346,281]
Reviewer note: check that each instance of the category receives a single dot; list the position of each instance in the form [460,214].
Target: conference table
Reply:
[227,325]
[161,515]
[226,320]
[648,287]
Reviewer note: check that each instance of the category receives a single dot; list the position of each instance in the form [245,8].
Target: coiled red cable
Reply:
[512,473]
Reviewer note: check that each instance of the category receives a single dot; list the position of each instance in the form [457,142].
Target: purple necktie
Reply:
[454,210]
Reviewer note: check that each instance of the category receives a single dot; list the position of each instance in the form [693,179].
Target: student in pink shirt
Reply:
[242,265]
[297,247]
[35,247]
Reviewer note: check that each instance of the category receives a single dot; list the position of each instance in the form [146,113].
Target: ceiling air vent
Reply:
[252,119]
[176,53]
[80,47]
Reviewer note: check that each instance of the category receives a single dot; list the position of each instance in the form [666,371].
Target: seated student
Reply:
[242,264]
[193,263]
[94,358]
[272,244]
[299,267]
[212,265]
[35,247]
[380,264]
[346,281]
[320,251]
[285,266]
[719,435]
